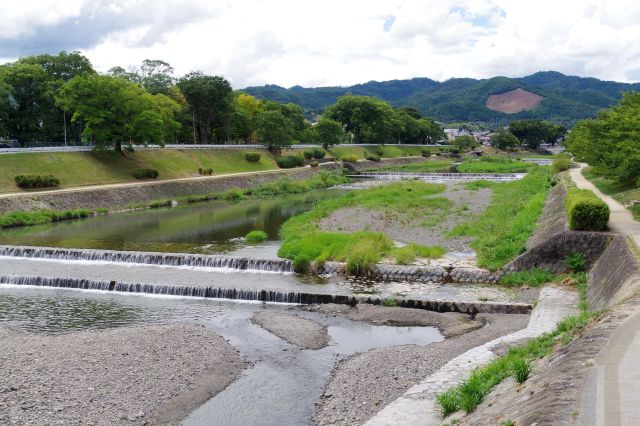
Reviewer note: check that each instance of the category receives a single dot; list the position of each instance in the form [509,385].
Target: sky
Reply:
[331,42]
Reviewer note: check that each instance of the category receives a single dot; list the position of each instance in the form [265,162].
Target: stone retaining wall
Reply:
[615,276]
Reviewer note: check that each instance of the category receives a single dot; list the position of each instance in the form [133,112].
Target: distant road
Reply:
[177,146]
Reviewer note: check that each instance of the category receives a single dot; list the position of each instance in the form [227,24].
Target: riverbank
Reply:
[127,375]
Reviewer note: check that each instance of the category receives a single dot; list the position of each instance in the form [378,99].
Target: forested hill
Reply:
[564,99]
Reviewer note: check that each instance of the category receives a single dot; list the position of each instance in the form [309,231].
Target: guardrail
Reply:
[538,161]
[441,177]
[185,146]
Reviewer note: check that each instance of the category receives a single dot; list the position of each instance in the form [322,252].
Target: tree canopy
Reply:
[611,142]
[504,139]
[535,132]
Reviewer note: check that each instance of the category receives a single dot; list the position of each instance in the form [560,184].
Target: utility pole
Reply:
[64,118]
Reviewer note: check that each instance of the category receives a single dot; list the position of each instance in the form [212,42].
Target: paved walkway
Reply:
[611,394]
[621,219]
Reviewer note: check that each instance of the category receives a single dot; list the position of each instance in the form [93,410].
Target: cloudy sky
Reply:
[335,42]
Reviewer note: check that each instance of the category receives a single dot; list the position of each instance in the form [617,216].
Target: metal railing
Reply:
[435,177]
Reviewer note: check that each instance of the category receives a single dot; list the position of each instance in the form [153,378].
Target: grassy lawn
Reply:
[388,151]
[90,168]
[503,229]
[494,164]
[304,242]
[624,192]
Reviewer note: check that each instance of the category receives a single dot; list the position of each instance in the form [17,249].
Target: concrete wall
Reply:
[121,197]
[615,276]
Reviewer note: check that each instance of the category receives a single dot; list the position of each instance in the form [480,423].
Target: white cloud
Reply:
[337,42]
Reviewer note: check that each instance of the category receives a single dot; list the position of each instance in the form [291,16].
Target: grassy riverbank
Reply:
[494,164]
[623,191]
[503,229]
[305,242]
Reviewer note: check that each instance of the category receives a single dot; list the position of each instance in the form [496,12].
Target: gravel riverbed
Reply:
[298,331]
[128,375]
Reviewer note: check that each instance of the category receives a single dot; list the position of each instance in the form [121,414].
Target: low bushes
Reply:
[585,211]
[205,172]
[560,164]
[426,153]
[308,155]
[373,158]
[37,181]
[313,164]
[289,161]
[350,159]
[255,237]
[145,174]
[252,157]
[319,153]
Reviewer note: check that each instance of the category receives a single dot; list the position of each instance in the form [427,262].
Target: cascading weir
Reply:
[274,296]
[167,259]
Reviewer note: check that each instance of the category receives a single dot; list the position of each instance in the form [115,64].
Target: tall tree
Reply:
[273,130]
[209,100]
[329,132]
[368,119]
[503,139]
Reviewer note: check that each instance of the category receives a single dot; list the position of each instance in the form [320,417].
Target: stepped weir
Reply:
[263,295]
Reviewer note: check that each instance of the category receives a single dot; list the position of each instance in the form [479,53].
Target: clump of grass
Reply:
[521,369]
[448,401]
[534,278]
[233,195]
[38,217]
[575,262]
[389,302]
[408,254]
[502,230]
[256,237]
[495,164]
[160,203]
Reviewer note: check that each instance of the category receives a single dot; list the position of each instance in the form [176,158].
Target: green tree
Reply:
[329,132]
[611,142]
[210,100]
[370,120]
[535,132]
[503,139]
[116,111]
[273,130]
[465,142]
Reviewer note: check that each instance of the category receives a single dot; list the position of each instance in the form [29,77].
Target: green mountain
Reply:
[565,98]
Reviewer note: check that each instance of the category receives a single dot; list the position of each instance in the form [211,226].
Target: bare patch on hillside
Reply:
[513,101]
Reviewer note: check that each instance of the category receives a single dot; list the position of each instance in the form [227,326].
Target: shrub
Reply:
[426,153]
[350,159]
[255,237]
[313,164]
[575,262]
[373,158]
[36,181]
[319,153]
[308,155]
[232,195]
[585,211]
[252,157]
[560,164]
[159,203]
[145,174]
[521,370]
[205,171]
[289,161]
[379,152]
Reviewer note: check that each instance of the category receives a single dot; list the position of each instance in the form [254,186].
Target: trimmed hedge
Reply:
[289,161]
[308,155]
[350,159]
[585,211]
[37,181]
[319,153]
[252,157]
[145,174]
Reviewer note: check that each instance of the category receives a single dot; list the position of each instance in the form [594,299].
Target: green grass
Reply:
[256,237]
[494,164]
[38,217]
[517,362]
[479,184]
[428,166]
[302,238]
[534,278]
[388,151]
[503,229]
[623,191]
[408,254]
[104,167]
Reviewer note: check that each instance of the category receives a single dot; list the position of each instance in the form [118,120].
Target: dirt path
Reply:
[621,219]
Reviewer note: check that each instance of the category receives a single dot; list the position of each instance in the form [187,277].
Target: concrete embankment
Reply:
[121,196]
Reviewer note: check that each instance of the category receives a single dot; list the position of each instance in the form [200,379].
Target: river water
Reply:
[282,386]
[205,228]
